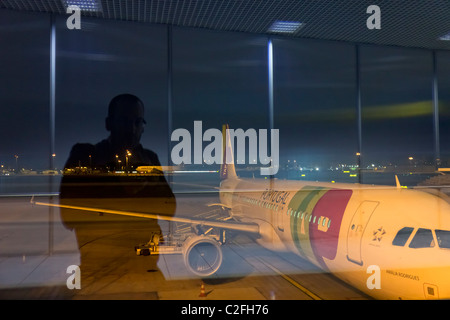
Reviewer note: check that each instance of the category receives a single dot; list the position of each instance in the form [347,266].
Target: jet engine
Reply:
[202,255]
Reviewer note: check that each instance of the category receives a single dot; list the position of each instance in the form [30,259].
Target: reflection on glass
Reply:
[422,239]
[397,114]
[116,220]
[443,70]
[24,153]
[104,176]
[218,78]
[314,108]
[402,236]
[443,238]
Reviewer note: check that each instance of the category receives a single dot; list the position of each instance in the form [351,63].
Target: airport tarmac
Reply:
[36,250]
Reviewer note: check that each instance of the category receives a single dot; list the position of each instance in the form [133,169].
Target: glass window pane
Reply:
[100,61]
[103,146]
[315,109]
[24,122]
[402,236]
[443,238]
[422,239]
[218,78]
[35,249]
[397,114]
[443,70]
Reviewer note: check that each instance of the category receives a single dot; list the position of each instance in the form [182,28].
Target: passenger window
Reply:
[402,236]
[422,239]
[443,238]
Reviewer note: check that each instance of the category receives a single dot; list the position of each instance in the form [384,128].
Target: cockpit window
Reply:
[402,236]
[443,238]
[422,239]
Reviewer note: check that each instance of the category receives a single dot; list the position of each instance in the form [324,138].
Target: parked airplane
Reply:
[358,233]
[389,242]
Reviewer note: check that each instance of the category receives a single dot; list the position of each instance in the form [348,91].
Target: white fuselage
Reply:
[349,230]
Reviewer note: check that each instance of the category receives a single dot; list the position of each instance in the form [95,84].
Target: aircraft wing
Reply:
[230,225]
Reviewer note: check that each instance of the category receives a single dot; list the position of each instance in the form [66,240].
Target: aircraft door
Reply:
[356,230]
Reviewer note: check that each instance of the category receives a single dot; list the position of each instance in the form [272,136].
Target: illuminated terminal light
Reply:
[84,5]
[285,27]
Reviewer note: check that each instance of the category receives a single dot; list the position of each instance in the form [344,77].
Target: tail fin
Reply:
[227,169]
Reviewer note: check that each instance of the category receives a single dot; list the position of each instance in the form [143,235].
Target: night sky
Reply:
[218,78]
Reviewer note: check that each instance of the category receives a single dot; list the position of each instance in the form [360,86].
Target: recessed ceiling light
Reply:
[84,5]
[285,27]
[445,37]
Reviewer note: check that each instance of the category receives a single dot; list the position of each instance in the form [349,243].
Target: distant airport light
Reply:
[285,27]
[445,37]
[84,5]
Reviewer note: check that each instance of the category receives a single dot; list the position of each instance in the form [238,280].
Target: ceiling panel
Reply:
[409,23]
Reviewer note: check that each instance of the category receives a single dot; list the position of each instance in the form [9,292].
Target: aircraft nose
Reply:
[436,278]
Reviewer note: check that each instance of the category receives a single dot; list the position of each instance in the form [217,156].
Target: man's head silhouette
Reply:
[125,121]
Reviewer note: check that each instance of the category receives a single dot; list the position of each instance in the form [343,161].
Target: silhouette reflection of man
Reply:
[101,176]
